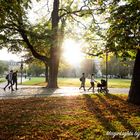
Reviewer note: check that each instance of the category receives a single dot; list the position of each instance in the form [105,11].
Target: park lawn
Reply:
[61,81]
[35,81]
[85,117]
[120,83]
[74,82]
[2,80]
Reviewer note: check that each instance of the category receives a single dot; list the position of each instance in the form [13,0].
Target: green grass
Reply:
[120,83]
[70,82]
[34,81]
[86,117]
[2,80]
[113,83]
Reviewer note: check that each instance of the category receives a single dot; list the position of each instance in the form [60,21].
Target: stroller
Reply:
[102,87]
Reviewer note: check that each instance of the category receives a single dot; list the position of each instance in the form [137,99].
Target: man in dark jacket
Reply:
[14,79]
[9,78]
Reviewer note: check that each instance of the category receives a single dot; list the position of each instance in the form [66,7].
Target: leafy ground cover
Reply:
[86,117]
[119,83]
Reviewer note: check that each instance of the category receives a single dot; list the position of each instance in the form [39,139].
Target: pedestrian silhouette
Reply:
[9,78]
[83,80]
[92,82]
[14,79]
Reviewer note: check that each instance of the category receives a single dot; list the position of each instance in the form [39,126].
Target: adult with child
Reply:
[9,78]
[83,80]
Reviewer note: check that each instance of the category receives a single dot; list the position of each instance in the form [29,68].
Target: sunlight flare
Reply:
[72,52]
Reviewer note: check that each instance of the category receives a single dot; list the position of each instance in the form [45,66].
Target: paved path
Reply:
[38,91]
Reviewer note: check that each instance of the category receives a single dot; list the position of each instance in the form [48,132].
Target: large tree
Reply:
[120,33]
[16,32]
[123,38]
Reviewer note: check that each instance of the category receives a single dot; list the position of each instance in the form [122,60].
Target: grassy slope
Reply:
[73,118]
[75,82]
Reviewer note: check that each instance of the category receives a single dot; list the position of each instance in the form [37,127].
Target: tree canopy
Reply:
[42,40]
[123,36]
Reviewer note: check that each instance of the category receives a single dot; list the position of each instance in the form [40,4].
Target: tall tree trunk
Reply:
[54,51]
[134,92]
[53,68]
[58,36]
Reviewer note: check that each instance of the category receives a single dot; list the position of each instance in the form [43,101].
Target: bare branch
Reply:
[95,54]
[70,12]
[30,47]
[79,22]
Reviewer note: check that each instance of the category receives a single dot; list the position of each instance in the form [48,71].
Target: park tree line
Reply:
[117,31]
[3,67]
[117,68]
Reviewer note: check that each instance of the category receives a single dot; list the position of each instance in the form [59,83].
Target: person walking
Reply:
[83,80]
[92,82]
[14,79]
[9,81]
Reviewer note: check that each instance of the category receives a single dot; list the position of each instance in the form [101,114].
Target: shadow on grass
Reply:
[113,96]
[119,116]
[94,108]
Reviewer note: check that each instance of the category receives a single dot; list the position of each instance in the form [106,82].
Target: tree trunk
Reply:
[134,92]
[55,49]
[53,61]
[53,68]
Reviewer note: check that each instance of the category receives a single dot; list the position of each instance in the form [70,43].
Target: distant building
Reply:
[13,65]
